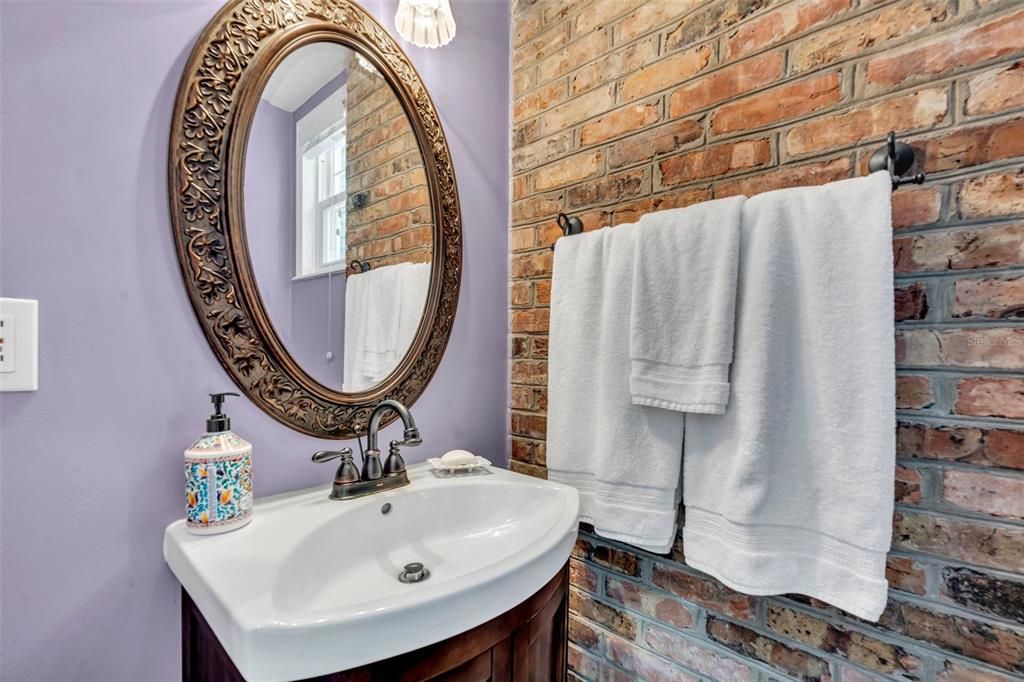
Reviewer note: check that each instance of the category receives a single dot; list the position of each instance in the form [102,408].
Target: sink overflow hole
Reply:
[414,573]
[386,509]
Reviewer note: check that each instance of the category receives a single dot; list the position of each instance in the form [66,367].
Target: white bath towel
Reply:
[624,459]
[413,284]
[383,308]
[791,490]
[684,306]
[378,322]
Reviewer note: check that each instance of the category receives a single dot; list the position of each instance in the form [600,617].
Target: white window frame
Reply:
[320,129]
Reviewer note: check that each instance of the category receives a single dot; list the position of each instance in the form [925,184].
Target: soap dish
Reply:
[440,466]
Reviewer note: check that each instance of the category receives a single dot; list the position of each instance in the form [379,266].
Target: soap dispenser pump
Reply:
[218,476]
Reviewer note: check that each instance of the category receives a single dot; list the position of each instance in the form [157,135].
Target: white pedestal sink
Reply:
[311,586]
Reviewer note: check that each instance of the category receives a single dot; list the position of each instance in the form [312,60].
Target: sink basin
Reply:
[311,586]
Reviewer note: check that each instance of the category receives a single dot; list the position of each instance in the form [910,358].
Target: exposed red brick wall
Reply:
[628,106]
[385,178]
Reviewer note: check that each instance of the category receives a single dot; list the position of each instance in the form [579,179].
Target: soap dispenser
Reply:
[218,476]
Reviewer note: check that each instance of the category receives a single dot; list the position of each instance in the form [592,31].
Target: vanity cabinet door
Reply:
[528,643]
[490,666]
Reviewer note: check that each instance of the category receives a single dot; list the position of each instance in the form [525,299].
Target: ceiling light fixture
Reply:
[425,23]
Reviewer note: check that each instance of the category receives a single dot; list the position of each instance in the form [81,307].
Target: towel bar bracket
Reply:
[356,267]
[569,225]
[897,158]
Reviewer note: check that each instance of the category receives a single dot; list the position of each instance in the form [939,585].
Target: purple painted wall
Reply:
[313,333]
[91,463]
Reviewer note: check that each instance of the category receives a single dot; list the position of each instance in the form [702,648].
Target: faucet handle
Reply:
[394,464]
[328,455]
[347,471]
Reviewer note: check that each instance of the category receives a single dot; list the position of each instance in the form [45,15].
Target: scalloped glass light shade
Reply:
[425,23]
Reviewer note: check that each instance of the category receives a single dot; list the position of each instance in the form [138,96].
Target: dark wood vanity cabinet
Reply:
[525,644]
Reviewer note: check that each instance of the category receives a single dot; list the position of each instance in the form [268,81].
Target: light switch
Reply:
[19,344]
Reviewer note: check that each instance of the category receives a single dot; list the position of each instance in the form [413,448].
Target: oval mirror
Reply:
[314,211]
[337,216]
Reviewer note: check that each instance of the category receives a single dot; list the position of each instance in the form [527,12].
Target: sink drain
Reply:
[414,573]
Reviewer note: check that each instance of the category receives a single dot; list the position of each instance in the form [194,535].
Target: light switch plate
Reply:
[19,344]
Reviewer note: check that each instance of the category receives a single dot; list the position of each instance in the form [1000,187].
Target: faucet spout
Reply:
[411,435]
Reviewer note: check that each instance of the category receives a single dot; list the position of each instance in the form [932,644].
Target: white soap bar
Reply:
[458,458]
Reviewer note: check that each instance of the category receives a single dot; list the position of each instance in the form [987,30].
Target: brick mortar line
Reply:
[957,421]
[944,506]
[958,372]
[966,323]
[908,277]
[988,523]
[937,597]
[963,467]
[950,322]
[955,224]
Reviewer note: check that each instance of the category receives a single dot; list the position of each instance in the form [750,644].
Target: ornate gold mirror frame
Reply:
[231,62]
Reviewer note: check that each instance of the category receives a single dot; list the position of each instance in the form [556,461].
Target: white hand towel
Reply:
[624,459]
[791,490]
[684,306]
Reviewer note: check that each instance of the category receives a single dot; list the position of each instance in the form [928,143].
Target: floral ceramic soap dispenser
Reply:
[218,476]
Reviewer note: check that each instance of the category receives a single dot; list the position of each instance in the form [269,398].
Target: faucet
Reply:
[394,464]
[349,482]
